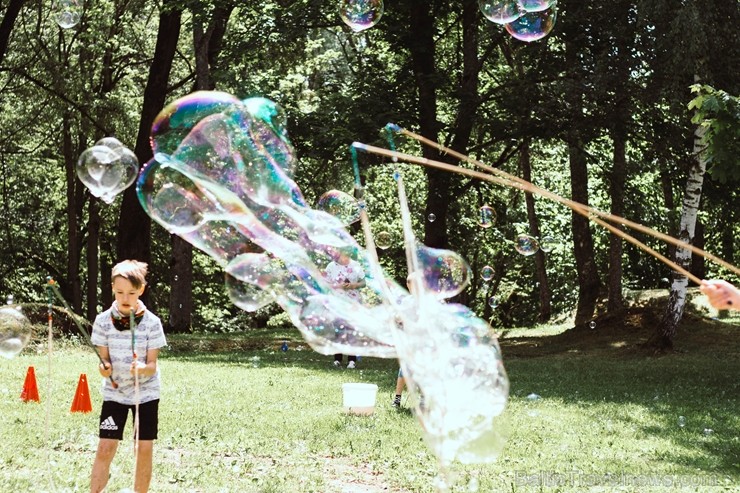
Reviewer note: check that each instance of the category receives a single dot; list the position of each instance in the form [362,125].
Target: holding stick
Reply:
[52,287]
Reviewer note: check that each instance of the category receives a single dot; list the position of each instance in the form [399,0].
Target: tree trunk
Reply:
[6,26]
[615,301]
[72,289]
[662,340]
[698,263]
[134,226]
[534,227]
[93,235]
[583,245]
[181,287]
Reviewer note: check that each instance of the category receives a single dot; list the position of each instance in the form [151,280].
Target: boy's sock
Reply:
[397,401]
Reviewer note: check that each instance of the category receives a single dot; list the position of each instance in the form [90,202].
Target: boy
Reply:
[113,337]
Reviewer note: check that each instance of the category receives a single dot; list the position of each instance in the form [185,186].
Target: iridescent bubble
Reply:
[532,26]
[500,11]
[526,245]
[486,273]
[536,5]
[383,240]
[548,244]
[341,205]
[445,273]
[178,118]
[592,325]
[68,13]
[361,14]
[493,302]
[226,188]
[432,217]
[107,168]
[15,331]
[486,216]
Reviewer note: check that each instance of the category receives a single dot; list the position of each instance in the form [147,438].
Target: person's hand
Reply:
[721,294]
[138,367]
[105,369]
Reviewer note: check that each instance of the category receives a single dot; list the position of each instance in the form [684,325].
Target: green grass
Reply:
[239,415]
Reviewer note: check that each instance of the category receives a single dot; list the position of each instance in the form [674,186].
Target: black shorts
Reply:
[113,417]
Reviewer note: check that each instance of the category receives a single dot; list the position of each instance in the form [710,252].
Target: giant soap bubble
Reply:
[525,20]
[500,11]
[67,13]
[15,331]
[360,14]
[341,205]
[533,25]
[107,168]
[221,178]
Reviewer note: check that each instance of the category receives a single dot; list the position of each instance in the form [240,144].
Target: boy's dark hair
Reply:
[131,270]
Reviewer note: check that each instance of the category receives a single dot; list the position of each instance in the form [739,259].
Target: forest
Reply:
[629,106]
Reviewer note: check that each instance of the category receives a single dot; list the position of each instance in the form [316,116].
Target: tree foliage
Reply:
[609,87]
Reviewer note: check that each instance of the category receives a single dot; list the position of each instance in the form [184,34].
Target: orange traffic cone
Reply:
[30,389]
[81,402]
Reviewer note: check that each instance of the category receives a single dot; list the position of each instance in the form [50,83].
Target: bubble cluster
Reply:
[361,14]
[107,168]
[67,13]
[525,20]
[341,205]
[222,179]
[15,331]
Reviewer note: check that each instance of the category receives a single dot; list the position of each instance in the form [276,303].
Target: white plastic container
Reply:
[359,398]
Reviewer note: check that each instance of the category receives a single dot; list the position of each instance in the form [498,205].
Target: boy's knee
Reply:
[107,449]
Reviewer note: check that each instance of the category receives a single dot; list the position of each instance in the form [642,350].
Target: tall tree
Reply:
[583,243]
[134,226]
[206,44]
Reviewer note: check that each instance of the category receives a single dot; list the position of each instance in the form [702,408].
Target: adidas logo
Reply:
[108,424]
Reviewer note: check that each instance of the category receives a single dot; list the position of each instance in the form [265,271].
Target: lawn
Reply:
[589,411]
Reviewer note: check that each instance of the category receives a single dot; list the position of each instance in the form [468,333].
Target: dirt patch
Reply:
[344,477]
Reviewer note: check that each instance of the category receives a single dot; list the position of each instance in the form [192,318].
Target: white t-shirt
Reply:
[149,335]
[352,272]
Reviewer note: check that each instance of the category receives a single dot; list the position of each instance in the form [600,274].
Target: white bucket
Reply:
[359,398]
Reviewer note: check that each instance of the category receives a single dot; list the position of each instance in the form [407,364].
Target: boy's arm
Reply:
[148,369]
[105,369]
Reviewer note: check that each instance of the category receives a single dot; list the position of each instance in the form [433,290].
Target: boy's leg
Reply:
[112,423]
[400,384]
[144,466]
[101,468]
[148,428]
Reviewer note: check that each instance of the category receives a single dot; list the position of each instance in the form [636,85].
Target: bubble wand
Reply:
[514,181]
[47,422]
[586,211]
[52,287]
[132,326]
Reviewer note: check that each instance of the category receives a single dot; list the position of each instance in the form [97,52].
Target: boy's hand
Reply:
[139,367]
[105,369]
